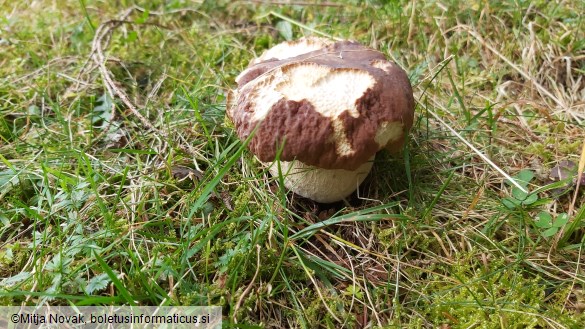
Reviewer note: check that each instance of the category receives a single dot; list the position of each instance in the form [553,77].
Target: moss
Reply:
[570,148]
[541,151]
[241,198]
[499,295]
[12,257]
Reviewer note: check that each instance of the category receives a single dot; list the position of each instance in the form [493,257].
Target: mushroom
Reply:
[323,109]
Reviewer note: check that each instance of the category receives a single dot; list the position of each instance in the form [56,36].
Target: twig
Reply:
[101,39]
[104,31]
[249,287]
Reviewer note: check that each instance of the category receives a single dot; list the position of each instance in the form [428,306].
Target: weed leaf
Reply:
[97,283]
[550,232]
[525,176]
[285,30]
[544,220]
[561,220]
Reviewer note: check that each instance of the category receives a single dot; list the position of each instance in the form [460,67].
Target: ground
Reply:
[121,181]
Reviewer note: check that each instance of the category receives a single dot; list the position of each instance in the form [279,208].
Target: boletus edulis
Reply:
[323,109]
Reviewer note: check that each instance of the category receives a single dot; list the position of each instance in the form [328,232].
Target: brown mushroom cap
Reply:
[331,105]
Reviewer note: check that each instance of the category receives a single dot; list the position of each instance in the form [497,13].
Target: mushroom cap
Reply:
[330,105]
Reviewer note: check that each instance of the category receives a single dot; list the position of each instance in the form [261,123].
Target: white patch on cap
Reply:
[263,93]
[388,132]
[293,49]
[330,91]
[342,145]
[383,65]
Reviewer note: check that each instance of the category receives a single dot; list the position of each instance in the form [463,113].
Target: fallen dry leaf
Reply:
[181,173]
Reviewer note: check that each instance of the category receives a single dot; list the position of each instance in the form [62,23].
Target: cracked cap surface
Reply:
[328,104]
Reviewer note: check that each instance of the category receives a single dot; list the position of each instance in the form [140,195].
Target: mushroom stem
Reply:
[321,185]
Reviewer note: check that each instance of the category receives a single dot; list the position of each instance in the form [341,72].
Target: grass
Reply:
[137,191]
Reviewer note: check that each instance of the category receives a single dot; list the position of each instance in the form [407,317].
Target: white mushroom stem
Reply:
[321,185]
